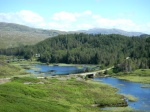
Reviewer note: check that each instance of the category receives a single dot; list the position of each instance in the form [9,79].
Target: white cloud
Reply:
[30,17]
[64,16]
[88,13]
[119,23]
[69,21]
[24,17]
[87,20]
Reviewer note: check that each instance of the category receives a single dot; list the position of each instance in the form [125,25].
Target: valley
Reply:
[74,56]
[50,75]
[40,90]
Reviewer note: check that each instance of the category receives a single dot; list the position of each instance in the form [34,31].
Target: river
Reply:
[135,89]
[46,70]
[125,87]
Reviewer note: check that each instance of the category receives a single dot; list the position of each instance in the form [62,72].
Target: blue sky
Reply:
[66,15]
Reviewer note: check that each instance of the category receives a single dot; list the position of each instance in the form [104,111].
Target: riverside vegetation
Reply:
[126,54]
[7,70]
[24,93]
[129,56]
[139,75]
[56,96]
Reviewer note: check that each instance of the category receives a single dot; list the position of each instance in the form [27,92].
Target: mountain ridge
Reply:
[14,35]
[112,31]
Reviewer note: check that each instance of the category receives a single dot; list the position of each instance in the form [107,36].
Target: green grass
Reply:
[131,98]
[14,68]
[142,72]
[140,75]
[56,96]
[8,70]
[4,57]
[17,97]
[135,79]
[119,109]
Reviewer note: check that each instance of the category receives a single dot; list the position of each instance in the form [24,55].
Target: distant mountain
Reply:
[14,35]
[111,31]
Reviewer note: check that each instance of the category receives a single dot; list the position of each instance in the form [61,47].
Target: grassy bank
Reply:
[131,98]
[140,75]
[29,94]
[8,70]
[52,95]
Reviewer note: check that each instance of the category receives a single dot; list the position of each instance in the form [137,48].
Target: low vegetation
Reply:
[140,75]
[7,70]
[54,95]
[131,98]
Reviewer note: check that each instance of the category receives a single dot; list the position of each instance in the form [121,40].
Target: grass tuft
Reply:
[131,98]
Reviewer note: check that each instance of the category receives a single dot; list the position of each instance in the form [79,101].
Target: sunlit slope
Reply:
[14,35]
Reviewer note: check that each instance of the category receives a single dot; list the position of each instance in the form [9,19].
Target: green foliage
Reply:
[142,72]
[109,72]
[19,97]
[56,96]
[139,75]
[127,53]
[25,79]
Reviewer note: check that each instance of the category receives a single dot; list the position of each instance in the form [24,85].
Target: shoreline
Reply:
[60,77]
[132,78]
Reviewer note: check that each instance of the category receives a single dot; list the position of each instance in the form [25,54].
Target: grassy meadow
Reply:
[29,94]
[8,70]
[140,75]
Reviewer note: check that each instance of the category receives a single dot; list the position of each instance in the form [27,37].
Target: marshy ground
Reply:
[23,92]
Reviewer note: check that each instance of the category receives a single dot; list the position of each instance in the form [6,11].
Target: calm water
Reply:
[126,87]
[46,70]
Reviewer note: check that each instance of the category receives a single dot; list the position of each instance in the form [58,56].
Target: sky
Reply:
[72,15]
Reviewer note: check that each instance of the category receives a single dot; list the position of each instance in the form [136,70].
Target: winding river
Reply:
[135,89]
[125,87]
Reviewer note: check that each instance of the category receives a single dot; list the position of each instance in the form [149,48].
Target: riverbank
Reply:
[18,69]
[136,96]
[140,76]
[92,98]
[139,79]
[8,70]
[52,94]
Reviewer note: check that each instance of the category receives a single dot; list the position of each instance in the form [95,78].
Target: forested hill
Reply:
[82,48]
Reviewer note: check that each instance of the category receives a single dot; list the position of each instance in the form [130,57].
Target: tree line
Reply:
[126,53]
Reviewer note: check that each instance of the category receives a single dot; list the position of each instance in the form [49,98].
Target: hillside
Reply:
[14,35]
[107,50]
